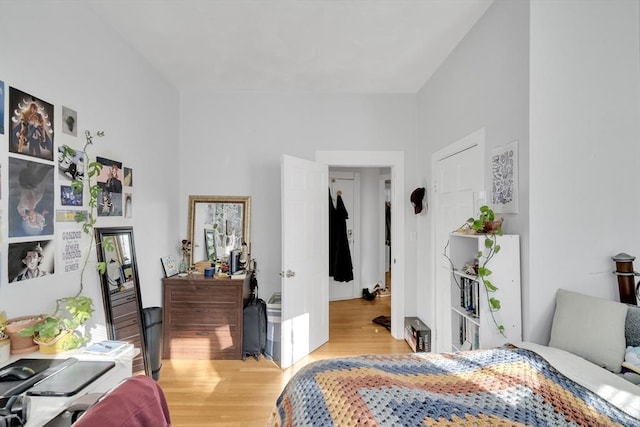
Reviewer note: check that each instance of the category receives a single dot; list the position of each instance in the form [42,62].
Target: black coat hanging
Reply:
[339,254]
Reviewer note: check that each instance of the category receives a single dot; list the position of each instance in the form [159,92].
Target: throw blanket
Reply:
[502,386]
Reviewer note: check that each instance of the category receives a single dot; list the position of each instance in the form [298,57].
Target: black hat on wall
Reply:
[417,197]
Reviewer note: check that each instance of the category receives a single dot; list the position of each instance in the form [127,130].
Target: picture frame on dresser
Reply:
[169,265]
[121,298]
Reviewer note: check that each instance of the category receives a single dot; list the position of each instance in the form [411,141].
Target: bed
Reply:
[569,382]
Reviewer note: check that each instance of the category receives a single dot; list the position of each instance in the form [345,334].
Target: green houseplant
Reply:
[73,311]
[489,225]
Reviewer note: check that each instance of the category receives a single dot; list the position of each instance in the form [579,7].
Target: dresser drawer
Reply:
[201,317]
[205,294]
[209,344]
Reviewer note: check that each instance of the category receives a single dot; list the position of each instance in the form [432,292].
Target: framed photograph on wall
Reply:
[504,178]
[169,265]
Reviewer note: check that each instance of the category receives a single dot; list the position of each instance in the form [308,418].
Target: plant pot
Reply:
[19,344]
[5,349]
[54,345]
[491,227]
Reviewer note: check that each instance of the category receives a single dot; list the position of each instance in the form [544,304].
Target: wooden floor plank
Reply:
[235,393]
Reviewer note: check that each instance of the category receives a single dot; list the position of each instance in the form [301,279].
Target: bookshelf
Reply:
[472,325]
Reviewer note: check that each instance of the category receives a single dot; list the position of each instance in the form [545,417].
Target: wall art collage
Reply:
[39,192]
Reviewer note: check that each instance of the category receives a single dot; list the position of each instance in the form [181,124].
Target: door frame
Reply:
[395,161]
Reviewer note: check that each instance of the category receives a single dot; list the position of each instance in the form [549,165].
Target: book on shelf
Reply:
[106,347]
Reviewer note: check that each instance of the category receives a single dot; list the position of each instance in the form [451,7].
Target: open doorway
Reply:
[394,161]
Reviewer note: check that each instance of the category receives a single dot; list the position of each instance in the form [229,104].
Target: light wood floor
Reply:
[229,393]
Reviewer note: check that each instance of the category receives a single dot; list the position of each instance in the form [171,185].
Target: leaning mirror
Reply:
[218,225]
[121,291]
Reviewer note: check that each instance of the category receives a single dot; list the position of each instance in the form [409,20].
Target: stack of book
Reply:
[107,347]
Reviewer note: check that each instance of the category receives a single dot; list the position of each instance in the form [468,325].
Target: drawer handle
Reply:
[202,334]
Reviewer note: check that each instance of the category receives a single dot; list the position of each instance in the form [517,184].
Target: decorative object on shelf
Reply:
[486,223]
[185,249]
[629,293]
[169,266]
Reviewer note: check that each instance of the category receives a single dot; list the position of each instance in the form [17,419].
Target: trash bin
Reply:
[274,316]
[153,338]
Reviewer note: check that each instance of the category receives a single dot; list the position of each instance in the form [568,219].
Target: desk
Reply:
[44,409]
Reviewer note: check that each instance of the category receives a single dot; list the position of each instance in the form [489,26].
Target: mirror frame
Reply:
[130,266]
[245,201]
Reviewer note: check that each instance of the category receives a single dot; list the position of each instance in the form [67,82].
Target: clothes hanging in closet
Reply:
[340,265]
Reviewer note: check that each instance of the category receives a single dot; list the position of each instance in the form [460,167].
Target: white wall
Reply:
[585,129]
[65,56]
[482,84]
[370,227]
[238,152]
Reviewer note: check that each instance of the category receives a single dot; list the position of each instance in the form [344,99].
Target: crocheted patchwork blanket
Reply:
[502,386]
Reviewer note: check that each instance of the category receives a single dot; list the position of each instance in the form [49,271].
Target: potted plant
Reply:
[58,330]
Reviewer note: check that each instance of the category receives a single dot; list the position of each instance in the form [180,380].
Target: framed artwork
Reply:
[30,260]
[31,198]
[504,178]
[69,121]
[169,265]
[31,125]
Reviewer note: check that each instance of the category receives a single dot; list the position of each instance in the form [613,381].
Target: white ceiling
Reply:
[355,46]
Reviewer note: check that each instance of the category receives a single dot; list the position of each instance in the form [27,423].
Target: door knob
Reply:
[288,274]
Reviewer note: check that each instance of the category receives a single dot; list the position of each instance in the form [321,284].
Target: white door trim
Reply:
[395,161]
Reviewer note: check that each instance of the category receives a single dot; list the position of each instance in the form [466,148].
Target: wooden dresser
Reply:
[202,317]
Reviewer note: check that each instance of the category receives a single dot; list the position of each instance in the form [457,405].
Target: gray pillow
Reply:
[632,326]
[590,327]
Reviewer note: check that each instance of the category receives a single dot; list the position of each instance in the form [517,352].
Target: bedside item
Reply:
[626,275]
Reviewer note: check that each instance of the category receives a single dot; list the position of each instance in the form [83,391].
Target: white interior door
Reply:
[459,190]
[305,254]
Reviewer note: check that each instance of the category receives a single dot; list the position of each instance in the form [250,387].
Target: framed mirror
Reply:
[121,291]
[218,225]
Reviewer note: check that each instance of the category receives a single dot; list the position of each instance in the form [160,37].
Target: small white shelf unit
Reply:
[472,325]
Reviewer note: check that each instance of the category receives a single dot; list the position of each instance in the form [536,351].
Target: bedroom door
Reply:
[305,251]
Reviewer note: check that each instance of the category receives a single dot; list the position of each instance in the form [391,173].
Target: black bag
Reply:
[254,327]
